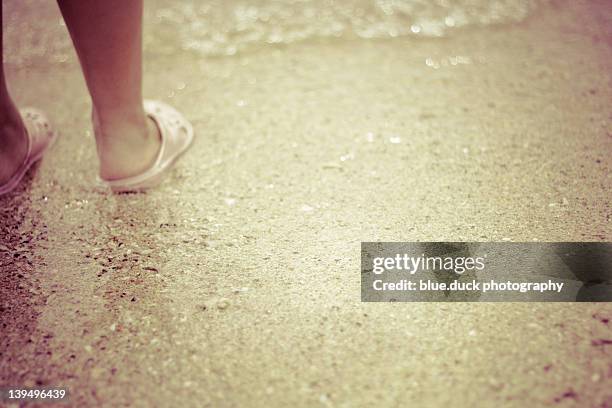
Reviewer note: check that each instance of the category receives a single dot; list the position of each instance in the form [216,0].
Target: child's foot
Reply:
[25,138]
[13,146]
[130,154]
[140,160]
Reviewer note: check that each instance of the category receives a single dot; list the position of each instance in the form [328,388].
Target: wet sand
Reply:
[237,282]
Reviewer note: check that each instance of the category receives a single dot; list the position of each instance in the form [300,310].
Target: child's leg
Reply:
[107,36]
[13,141]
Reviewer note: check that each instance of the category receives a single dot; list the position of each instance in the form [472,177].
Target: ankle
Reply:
[111,125]
[12,130]
[13,144]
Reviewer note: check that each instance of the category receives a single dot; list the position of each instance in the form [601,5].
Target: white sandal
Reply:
[40,137]
[176,136]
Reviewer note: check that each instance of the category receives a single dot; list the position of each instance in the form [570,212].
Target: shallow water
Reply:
[216,28]
[220,27]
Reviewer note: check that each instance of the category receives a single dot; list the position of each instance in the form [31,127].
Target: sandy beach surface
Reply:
[236,283]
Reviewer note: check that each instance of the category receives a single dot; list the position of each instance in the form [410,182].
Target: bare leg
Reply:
[107,36]
[13,141]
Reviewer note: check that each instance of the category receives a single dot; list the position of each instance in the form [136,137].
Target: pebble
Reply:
[494,383]
[223,304]
[306,208]
[332,165]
